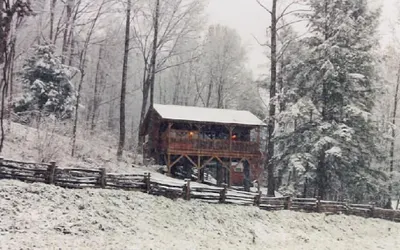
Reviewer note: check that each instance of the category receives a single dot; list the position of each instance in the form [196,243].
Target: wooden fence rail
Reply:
[99,178]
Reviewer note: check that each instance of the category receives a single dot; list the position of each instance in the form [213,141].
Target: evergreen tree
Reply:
[47,85]
[332,145]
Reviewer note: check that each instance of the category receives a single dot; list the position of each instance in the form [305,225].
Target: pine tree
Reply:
[332,145]
[46,84]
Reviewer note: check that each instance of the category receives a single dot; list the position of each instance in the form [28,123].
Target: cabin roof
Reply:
[207,115]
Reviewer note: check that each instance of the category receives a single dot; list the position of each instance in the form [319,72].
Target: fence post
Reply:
[103,181]
[147,181]
[288,203]
[257,199]
[1,160]
[347,210]
[222,193]
[51,171]
[372,210]
[318,204]
[186,190]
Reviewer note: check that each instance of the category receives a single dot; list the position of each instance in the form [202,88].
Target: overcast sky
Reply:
[249,19]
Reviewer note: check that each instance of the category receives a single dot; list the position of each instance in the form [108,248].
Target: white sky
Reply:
[249,20]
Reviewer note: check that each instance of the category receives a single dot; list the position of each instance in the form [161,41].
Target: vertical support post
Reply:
[169,132]
[288,203]
[198,168]
[397,206]
[219,174]
[169,164]
[230,171]
[222,193]
[51,170]
[102,180]
[147,177]
[230,138]
[257,199]
[198,139]
[186,190]
[372,210]
[168,146]
[258,136]
[318,204]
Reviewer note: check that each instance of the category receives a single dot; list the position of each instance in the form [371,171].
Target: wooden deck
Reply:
[208,147]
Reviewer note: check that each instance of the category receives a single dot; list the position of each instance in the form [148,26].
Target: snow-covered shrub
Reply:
[47,85]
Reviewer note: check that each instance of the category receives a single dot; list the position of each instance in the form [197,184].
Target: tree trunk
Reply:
[321,168]
[110,120]
[321,176]
[3,33]
[52,8]
[392,143]
[153,60]
[122,131]
[272,94]
[71,36]
[149,79]
[153,63]
[95,91]
[145,95]
[210,88]
[69,6]
[78,98]
[7,52]
[82,67]
[220,94]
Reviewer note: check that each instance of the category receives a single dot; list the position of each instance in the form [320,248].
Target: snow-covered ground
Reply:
[39,216]
[29,144]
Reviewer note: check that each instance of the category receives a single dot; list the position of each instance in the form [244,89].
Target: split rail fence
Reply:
[99,178]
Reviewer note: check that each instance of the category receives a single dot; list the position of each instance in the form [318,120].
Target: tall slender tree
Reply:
[10,11]
[122,131]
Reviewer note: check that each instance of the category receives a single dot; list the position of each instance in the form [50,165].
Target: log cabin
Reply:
[205,141]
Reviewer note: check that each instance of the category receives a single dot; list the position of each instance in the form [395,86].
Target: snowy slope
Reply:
[28,144]
[38,216]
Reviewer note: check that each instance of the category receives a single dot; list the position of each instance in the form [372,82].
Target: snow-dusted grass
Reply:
[38,216]
[49,144]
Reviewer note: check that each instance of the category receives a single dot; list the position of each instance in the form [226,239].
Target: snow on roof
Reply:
[211,115]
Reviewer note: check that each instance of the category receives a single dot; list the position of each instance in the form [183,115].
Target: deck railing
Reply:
[210,144]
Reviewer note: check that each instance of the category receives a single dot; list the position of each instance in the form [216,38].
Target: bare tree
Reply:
[394,116]
[223,60]
[272,93]
[82,68]
[274,28]
[175,21]
[96,89]
[52,9]
[18,9]
[122,131]
[391,73]
[69,4]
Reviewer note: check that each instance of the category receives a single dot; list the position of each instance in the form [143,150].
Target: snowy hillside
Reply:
[36,216]
[48,144]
